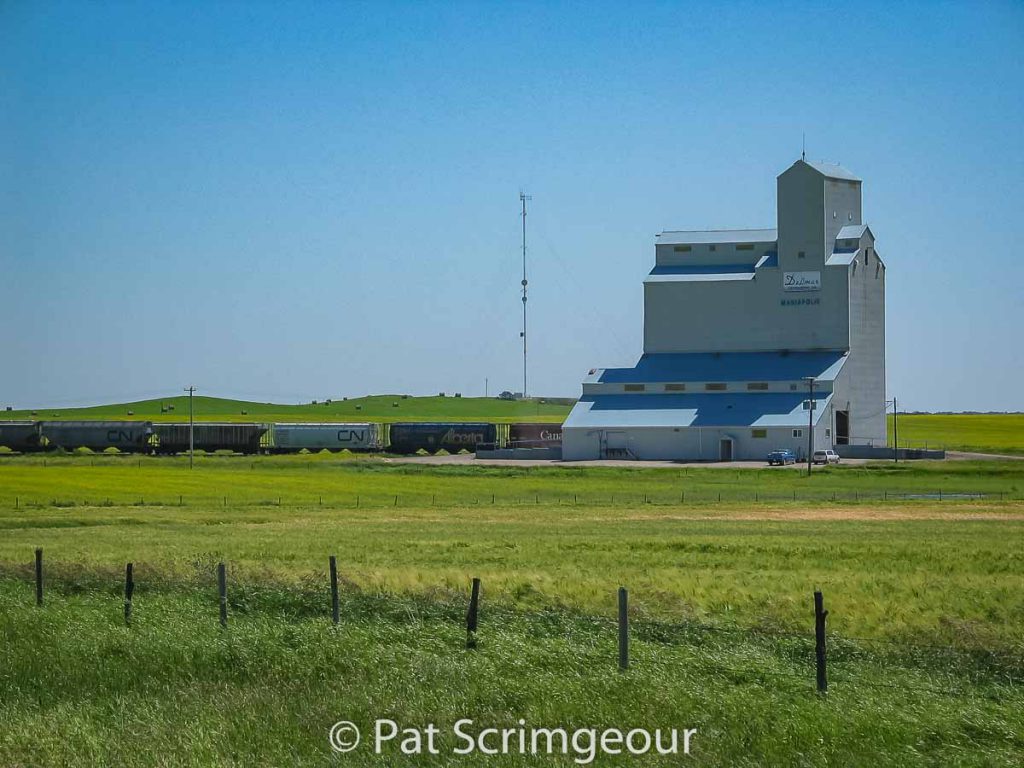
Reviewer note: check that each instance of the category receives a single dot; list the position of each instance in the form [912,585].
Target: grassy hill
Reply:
[982,432]
[379,408]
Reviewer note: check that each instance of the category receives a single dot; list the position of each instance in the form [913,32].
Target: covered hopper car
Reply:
[209,436]
[129,436]
[534,435]
[453,437]
[20,435]
[333,437]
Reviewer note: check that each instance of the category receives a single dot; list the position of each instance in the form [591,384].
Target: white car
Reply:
[825,457]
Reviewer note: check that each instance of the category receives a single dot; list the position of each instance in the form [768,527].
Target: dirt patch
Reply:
[1014,511]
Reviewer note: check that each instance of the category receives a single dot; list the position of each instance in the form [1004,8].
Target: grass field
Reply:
[378,408]
[926,600]
[984,433]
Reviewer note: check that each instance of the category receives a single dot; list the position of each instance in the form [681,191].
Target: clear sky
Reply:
[291,201]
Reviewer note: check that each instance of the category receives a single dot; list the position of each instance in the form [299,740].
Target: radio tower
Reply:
[522,199]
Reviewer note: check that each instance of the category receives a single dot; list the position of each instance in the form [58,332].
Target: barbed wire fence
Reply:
[811,656]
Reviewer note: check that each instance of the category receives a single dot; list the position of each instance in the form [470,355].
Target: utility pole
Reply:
[522,199]
[191,427]
[486,386]
[895,432]
[810,422]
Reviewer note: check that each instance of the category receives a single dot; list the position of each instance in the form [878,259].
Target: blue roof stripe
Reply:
[701,269]
[763,409]
[727,366]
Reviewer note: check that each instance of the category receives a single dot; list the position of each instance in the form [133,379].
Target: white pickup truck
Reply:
[825,457]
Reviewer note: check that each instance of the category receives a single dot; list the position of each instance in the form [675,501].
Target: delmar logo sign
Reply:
[801,281]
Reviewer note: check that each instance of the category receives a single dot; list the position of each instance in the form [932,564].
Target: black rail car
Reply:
[534,435]
[240,438]
[128,436]
[20,436]
[409,437]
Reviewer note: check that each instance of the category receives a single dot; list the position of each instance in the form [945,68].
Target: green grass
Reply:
[552,537]
[78,687]
[338,479]
[720,602]
[984,433]
[377,408]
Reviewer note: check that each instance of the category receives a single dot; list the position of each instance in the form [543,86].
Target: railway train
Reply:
[249,438]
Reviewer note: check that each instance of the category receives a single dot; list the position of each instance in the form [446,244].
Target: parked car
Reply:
[781,457]
[825,457]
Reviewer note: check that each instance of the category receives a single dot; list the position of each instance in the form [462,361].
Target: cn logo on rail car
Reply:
[352,436]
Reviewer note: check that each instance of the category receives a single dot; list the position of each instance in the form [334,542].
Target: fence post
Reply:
[819,641]
[471,615]
[222,587]
[335,617]
[129,590]
[39,577]
[623,628]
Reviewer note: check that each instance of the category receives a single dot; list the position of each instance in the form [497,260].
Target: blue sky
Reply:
[291,201]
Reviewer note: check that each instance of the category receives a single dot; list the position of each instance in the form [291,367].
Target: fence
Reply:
[729,495]
[818,648]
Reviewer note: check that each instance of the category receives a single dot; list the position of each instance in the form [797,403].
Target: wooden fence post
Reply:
[819,641]
[471,615]
[623,628]
[39,577]
[222,588]
[334,590]
[129,590]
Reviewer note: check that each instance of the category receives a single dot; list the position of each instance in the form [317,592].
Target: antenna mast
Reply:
[523,197]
